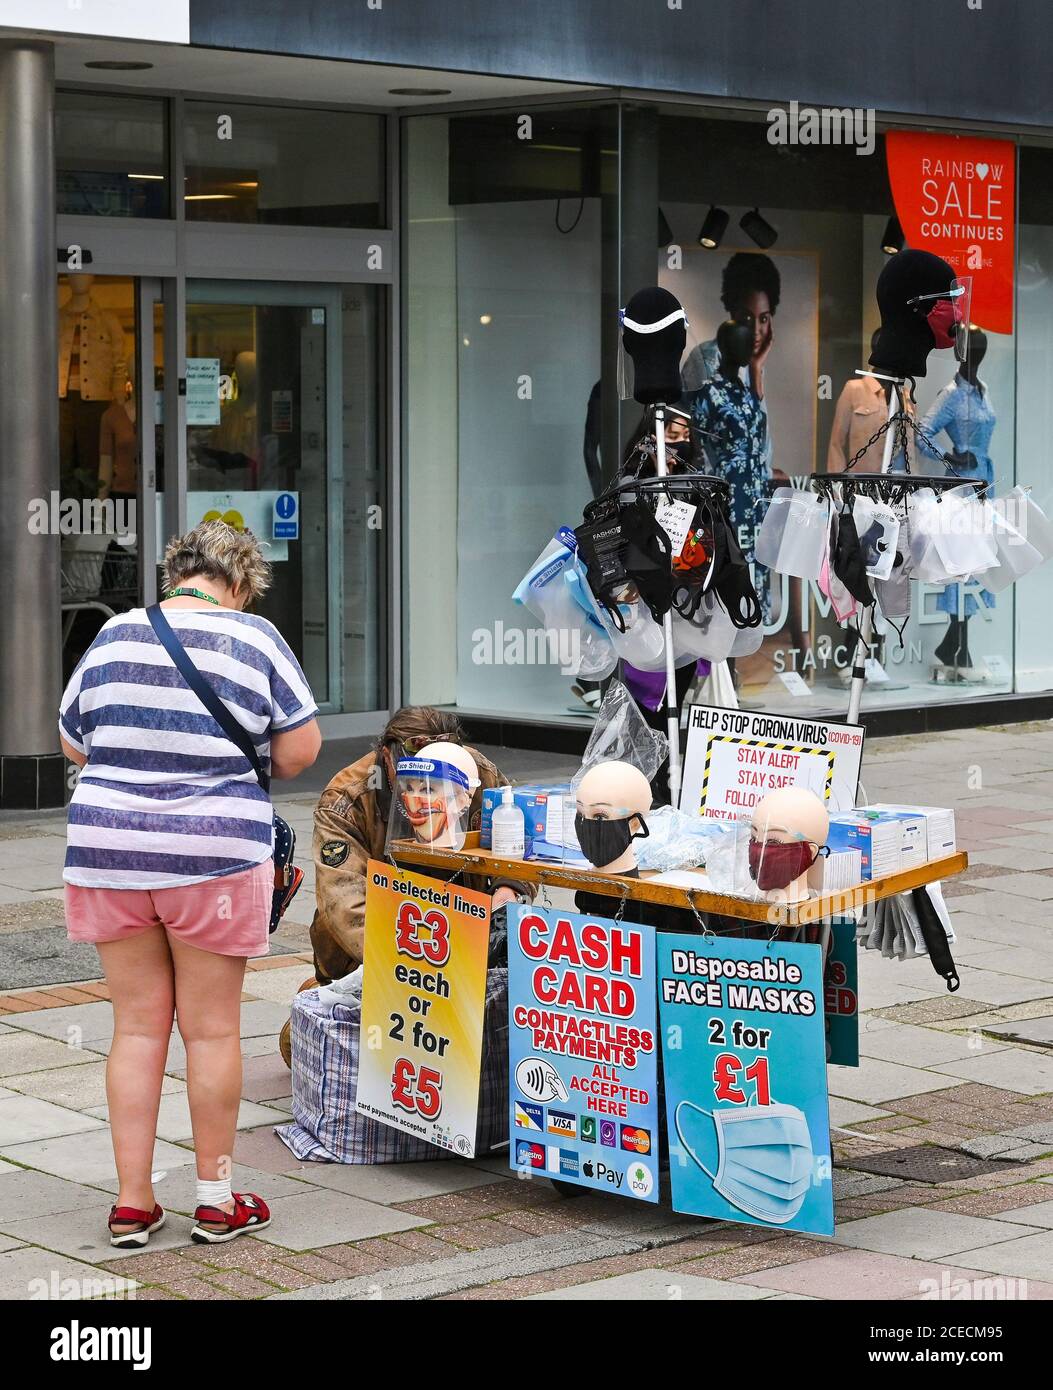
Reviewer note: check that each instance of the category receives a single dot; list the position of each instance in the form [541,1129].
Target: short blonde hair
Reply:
[216,551]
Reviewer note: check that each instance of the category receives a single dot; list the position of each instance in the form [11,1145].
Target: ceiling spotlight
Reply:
[665,232]
[420,91]
[113,65]
[892,237]
[713,228]
[757,229]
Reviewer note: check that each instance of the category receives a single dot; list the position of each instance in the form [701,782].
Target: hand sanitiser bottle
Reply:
[508,836]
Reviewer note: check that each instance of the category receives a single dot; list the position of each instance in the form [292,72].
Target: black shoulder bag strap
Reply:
[205,693]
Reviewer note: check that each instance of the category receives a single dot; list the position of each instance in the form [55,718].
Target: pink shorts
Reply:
[229,916]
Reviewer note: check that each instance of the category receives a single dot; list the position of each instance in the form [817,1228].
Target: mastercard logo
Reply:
[637,1141]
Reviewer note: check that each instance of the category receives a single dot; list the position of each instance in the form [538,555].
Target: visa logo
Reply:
[562,1122]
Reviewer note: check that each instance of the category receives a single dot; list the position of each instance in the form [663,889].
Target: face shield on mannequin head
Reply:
[432,796]
[653,341]
[924,307]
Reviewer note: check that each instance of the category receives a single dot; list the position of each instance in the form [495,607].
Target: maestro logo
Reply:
[636,1140]
[529,1154]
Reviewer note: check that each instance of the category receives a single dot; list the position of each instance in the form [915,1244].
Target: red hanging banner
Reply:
[955,195]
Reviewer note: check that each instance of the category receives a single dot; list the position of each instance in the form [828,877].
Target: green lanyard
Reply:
[193,593]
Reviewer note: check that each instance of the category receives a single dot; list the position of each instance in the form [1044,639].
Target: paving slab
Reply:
[920,1047]
[26,1193]
[76,1024]
[924,1233]
[876,1081]
[76,1087]
[323,1217]
[32,1273]
[391,1183]
[279,986]
[22,1052]
[850,1112]
[1041,1214]
[652,1286]
[83,1234]
[1035,1030]
[24,1119]
[862,1275]
[1030,1257]
[993,987]
[1029,1073]
[86,1157]
[173,1116]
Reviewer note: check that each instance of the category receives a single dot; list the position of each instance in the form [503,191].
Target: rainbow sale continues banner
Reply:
[423,994]
[955,195]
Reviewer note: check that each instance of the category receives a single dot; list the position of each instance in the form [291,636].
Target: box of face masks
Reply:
[836,871]
[889,841]
[940,837]
[542,807]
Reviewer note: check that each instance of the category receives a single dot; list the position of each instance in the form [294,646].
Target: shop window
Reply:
[283,166]
[110,156]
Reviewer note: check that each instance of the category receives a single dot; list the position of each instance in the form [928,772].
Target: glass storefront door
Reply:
[273,447]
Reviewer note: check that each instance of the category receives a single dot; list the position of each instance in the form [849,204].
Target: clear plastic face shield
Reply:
[430,804]
[948,316]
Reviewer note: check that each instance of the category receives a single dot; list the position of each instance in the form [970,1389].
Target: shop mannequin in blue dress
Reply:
[963,411]
[734,427]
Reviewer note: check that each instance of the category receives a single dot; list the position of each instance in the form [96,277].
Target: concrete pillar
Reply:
[31,766]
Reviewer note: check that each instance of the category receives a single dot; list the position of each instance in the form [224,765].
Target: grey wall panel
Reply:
[936,57]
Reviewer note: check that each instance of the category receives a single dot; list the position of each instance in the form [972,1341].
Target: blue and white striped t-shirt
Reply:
[165,798]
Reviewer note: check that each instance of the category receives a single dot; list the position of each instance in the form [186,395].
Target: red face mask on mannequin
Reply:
[943,319]
[775,865]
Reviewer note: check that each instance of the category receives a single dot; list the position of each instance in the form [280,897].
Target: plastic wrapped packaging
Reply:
[728,862]
[622,735]
[678,840]
[793,536]
[877,526]
[555,590]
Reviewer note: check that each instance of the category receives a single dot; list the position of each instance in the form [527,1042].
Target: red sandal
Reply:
[149,1221]
[251,1213]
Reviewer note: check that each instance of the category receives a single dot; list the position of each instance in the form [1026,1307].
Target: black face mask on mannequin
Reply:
[604,841]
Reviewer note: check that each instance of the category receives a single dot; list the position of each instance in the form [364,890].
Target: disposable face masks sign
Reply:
[764,1156]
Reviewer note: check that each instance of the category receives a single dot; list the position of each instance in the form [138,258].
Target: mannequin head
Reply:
[735,344]
[974,354]
[618,793]
[436,808]
[906,337]
[80,286]
[791,816]
[655,354]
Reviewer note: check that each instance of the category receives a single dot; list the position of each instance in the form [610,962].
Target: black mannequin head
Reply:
[974,354]
[735,345]
[655,355]
[905,338]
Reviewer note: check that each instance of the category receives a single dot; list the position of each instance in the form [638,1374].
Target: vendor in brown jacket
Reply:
[350,828]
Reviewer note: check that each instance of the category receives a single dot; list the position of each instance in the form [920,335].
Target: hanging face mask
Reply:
[774,864]
[604,841]
[648,557]
[841,601]
[877,527]
[764,1156]
[731,577]
[849,564]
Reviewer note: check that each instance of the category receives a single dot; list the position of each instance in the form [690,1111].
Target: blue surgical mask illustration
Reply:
[764,1155]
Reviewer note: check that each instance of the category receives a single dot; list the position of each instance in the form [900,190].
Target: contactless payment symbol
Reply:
[608,1134]
[539,1080]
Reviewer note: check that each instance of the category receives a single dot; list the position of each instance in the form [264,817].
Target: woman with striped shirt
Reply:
[169,868]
